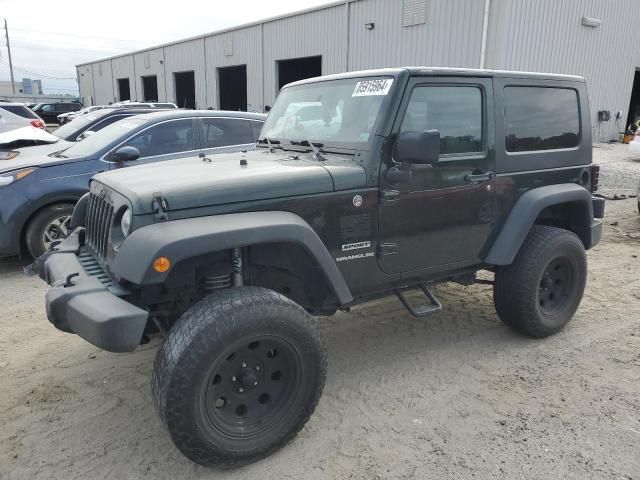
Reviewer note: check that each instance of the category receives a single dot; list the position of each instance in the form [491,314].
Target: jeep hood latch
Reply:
[159,206]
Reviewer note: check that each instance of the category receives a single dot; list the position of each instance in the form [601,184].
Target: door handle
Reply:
[480,177]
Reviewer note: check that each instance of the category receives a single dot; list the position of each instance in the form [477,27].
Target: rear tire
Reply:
[238,376]
[49,225]
[540,291]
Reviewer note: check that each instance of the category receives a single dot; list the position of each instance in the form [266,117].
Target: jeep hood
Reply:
[194,182]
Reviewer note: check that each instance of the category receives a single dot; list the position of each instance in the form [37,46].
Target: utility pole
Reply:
[6,32]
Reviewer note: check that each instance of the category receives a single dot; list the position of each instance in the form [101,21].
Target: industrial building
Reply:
[243,68]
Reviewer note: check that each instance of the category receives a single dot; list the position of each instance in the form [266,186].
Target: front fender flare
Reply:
[525,211]
[182,239]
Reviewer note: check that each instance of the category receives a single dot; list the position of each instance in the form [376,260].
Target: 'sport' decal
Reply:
[355,246]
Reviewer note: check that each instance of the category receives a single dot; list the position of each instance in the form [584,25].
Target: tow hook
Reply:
[68,283]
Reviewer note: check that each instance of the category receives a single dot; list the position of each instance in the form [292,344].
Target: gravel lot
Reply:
[457,395]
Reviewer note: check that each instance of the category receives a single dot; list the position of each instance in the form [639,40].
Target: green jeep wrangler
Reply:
[362,185]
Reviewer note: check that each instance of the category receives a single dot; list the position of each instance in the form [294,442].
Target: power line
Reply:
[68,44]
[78,51]
[35,74]
[83,36]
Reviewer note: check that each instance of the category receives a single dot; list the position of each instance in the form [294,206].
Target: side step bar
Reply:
[420,311]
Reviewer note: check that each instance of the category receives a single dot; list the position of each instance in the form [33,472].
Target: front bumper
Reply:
[83,305]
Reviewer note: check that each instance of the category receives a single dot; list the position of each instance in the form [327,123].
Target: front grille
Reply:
[93,268]
[98,223]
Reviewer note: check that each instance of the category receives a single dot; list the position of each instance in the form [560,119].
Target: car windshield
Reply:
[339,112]
[78,124]
[104,138]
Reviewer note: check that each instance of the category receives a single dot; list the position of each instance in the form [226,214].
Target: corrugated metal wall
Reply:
[237,47]
[532,35]
[150,62]
[123,67]
[321,32]
[449,37]
[85,84]
[548,36]
[183,57]
[103,82]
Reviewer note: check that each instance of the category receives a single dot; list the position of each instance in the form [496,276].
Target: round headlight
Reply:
[125,222]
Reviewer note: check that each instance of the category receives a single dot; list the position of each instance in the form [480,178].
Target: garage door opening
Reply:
[185,85]
[298,69]
[124,92]
[232,88]
[150,88]
[634,104]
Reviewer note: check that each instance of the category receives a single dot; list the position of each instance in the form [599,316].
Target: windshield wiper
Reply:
[58,154]
[316,147]
[271,143]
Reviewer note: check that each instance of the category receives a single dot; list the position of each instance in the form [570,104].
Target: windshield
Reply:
[107,136]
[78,124]
[335,111]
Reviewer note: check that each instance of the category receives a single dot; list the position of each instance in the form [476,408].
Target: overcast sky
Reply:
[49,38]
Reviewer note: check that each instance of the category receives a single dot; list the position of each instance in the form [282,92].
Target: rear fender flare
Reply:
[525,211]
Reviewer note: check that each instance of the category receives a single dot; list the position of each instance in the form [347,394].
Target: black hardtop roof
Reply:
[443,72]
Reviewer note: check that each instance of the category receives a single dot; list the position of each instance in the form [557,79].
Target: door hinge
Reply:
[159,206]
[388,249]
[390,196]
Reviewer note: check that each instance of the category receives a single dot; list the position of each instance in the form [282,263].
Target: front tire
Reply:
[48,226]
[238,376]
[540,291]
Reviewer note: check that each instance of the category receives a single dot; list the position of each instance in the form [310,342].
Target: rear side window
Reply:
[456,111]
[18,110]
[541,118]
[224,132]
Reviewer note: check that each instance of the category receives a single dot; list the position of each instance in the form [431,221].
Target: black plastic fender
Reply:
[181,239]
[527,209]
[80,212]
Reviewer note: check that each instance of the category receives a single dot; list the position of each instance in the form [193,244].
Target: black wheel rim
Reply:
[251,386]
[556,286]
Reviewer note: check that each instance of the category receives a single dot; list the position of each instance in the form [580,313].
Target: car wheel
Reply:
[49,226]
[540,291]
[238,376]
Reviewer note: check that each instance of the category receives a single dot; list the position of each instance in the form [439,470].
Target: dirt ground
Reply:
[457,395]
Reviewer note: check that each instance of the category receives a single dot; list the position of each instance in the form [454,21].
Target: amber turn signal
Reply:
[161,264]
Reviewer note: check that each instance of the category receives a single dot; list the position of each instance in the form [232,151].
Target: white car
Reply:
[634,145]
[16,115]
[68,116]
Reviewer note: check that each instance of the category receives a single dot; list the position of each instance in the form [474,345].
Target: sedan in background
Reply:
[37,195]
[17,115]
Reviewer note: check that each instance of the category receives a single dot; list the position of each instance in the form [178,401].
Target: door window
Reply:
[456,111]
[47,108]
[224,132]
[168,137]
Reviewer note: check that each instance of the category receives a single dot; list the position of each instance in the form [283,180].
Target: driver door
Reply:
[443,215]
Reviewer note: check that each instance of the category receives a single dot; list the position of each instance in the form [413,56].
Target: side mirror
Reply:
[125,154]
[85,134]
[418,147]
